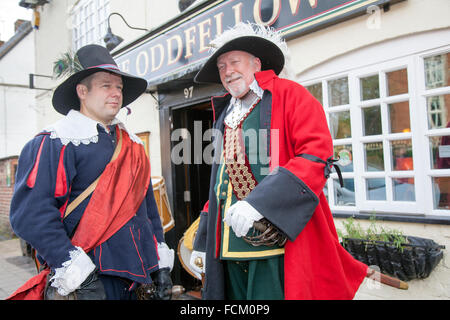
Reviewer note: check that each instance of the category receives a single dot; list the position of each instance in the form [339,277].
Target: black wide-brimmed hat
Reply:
[255,42]
[94,58]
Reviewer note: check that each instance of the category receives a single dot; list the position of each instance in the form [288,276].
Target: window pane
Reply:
[404,189]
[370,88]
[401,153]
[374,159]
[437,71]
[338,92]
[397,82]
[376,189]
[399,117]
[440,152]
[344,196]
[372,121]
[438,109]
[344,153]
[340,125]
[316,91]
[441,192]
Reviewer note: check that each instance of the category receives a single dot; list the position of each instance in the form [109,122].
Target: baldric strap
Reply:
[93,185]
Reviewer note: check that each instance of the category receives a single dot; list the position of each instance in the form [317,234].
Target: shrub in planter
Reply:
[404,257]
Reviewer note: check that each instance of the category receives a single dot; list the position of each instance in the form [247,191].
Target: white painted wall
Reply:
[18,115]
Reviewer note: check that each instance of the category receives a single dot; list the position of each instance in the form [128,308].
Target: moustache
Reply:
[232,78]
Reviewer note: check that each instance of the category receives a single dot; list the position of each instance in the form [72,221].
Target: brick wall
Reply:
[7,174]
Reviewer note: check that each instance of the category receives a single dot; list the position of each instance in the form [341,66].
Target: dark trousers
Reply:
[117,288]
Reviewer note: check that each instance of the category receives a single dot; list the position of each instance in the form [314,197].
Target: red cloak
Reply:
[316,265]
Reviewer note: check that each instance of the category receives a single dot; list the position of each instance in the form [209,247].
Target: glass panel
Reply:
[437,71]
[440,152]
[344,153]
[376,189]
[374,160]
[399,117]
[404,189]
[372,121]
[370,88]
[340,127]
[397,82]
[441,192]
[316,91]
[344,196]
[401,153]
[338,92]
[438,109]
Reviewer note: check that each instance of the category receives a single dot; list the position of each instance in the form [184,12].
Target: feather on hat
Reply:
[263,42]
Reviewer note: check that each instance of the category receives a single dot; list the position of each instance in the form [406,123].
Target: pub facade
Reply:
[380,68]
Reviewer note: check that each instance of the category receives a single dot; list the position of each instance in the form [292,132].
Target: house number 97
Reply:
[188,92]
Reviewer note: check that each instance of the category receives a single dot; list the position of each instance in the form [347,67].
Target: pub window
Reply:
[436,85]
[390,124]
[369,121]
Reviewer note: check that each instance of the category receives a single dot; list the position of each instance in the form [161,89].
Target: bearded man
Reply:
[240,262]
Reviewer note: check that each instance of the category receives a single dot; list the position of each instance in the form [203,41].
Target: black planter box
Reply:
[414,260]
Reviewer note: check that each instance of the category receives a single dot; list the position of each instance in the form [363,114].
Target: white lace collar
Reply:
[79,129]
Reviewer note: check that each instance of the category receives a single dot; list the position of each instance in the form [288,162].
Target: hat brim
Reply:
[271,56]
[65,96]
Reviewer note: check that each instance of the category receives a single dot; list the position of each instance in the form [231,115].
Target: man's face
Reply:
[237,70]
[103,100]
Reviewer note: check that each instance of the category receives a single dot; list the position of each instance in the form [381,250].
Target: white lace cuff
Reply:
[166,256]
[73,272]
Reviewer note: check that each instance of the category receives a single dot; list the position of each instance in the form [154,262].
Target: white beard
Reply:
[238,89]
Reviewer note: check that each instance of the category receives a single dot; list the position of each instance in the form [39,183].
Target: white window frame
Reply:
[419,135]
[422,95]
[89,22]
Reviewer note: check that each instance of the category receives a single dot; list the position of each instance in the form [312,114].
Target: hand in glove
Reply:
[91,289]
[163,284]
[76,279]
[198,262]
[240,217]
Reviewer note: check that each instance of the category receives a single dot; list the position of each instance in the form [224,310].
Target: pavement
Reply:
[15,269]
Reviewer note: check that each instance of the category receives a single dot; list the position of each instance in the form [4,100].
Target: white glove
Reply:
[73,272]
[195,268]
[166,256]
[240,217]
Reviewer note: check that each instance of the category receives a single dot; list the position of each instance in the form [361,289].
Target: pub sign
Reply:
[182,47]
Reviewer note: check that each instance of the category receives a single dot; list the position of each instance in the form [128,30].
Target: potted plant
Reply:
[404,257]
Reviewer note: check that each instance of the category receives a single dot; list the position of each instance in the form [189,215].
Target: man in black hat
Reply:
[267,231]
[83,196]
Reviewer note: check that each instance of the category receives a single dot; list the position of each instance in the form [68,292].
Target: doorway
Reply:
[191,177]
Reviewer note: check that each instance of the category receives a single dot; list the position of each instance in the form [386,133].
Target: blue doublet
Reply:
[63,172]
